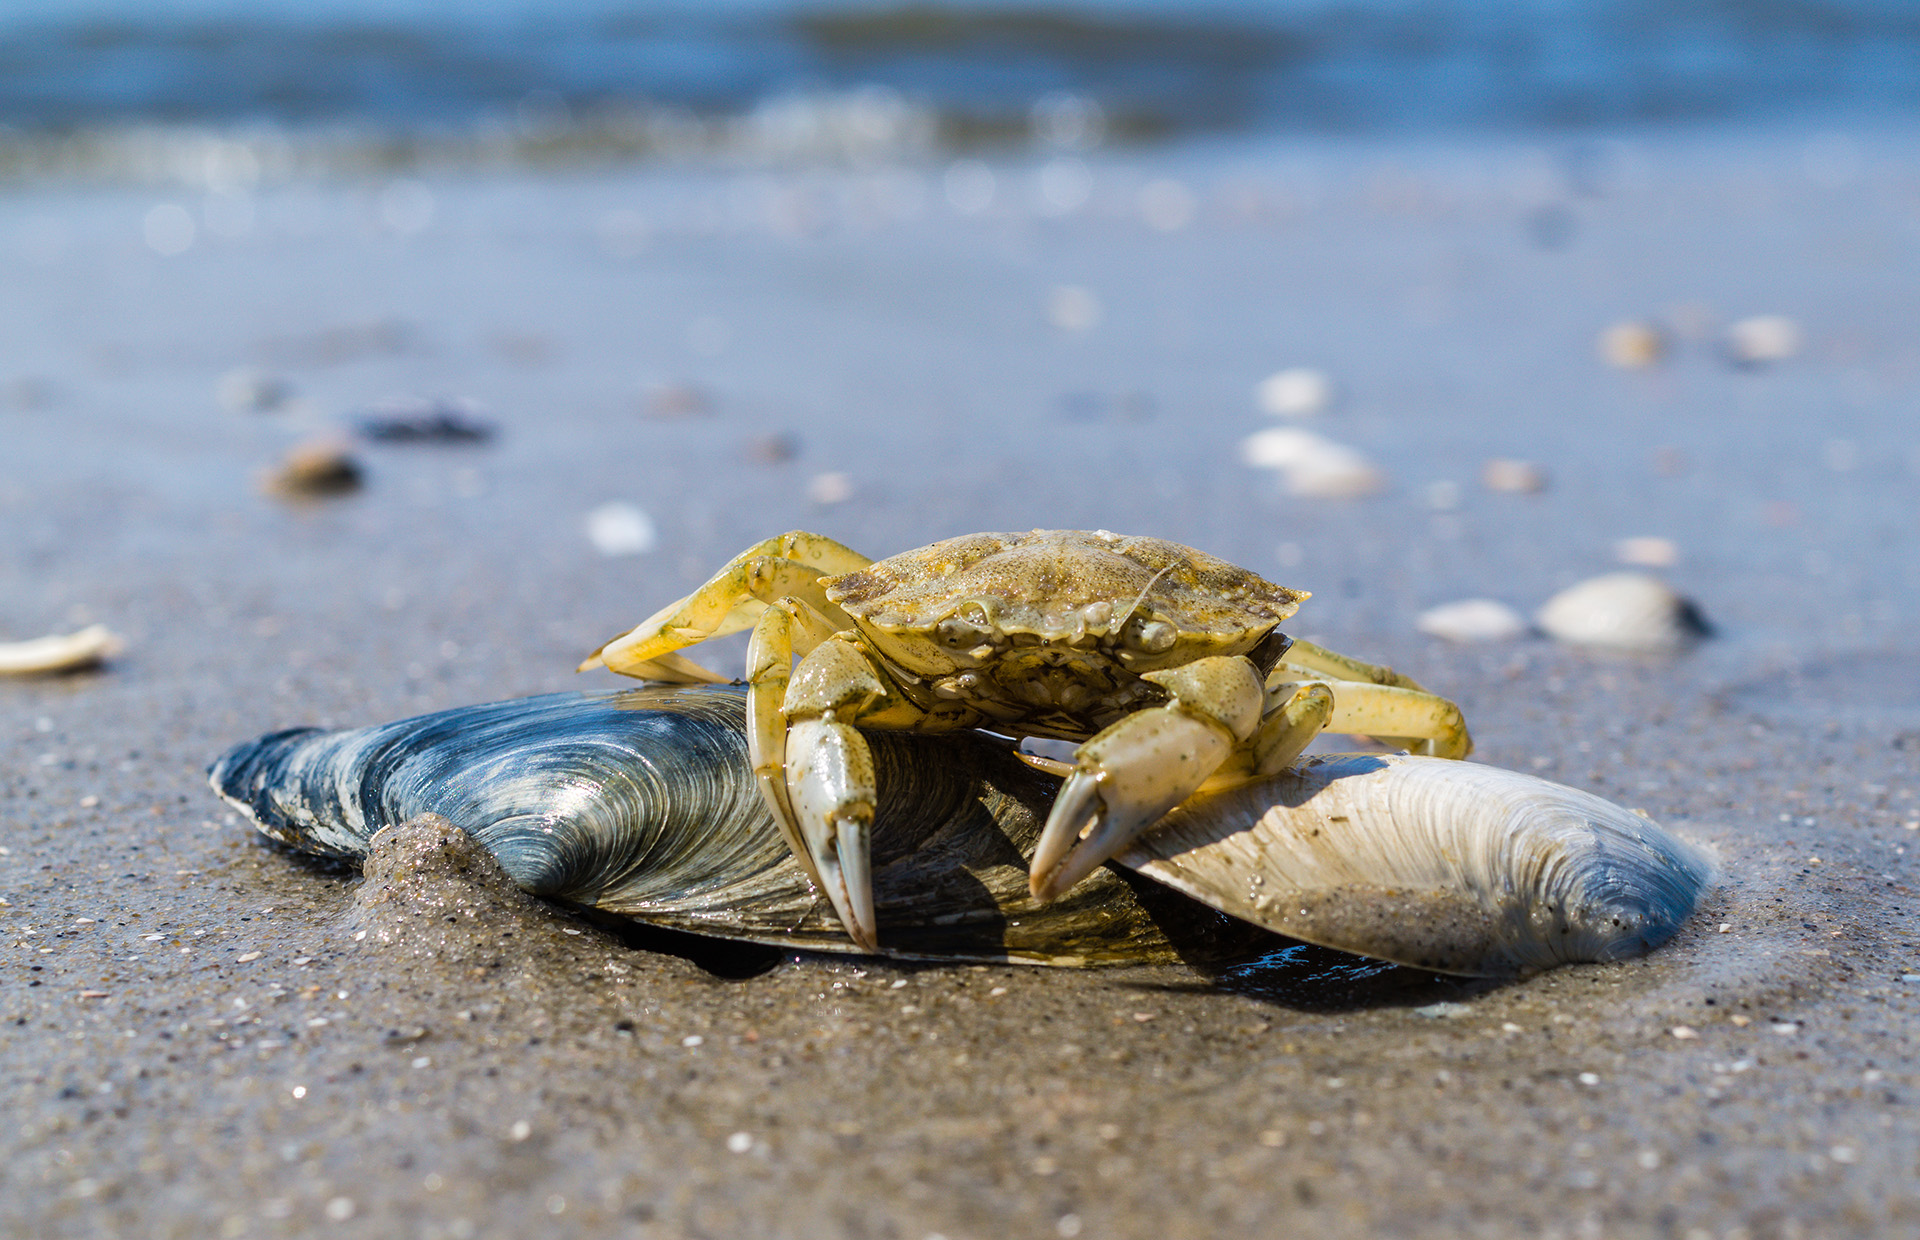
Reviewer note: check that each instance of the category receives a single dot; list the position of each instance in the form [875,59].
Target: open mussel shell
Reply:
[642,803]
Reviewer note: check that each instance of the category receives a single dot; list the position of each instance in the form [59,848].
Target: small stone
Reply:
[1647,552]
[340,1209]
[247,957]
[775,448]
[1632,345]
[1472,620]
[1513,477]
[1312,466]
[1762,340]
[1684,1033]
[673,401]
[618,528]
[1297,392]
[1623,611]
[314,470]
[740,1142]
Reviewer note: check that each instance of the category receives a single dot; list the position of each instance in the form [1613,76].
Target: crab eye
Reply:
[1152,636]
[962,630]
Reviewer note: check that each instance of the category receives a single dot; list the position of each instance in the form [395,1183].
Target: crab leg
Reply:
[1417,721]
[1136,770]
[829,771]
[786,627]
[790,565]
[1373,700]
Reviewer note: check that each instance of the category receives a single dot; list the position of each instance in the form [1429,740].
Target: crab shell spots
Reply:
[1065,586]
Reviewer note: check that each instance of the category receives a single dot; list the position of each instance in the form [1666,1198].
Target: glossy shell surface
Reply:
[643,804]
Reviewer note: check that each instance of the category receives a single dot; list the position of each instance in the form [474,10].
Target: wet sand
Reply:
[194,1039]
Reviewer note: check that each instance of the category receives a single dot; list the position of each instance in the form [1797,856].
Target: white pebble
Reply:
[1632,346]
[1762,339]
[1312,466]
[618,528]
[1647,552]
[1297,392]
[1514,477]
[1622,611]
[834,488]
[740,1142]
[1472,620]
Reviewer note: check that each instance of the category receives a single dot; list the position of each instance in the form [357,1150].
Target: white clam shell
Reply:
[1623,611]
[1313,466]
[59,653]
[1451,866]
[1472,620]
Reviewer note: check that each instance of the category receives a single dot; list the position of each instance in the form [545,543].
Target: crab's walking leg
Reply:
[1131,773]
[829,771]
[790,565]
[1441,731]
[1415,720]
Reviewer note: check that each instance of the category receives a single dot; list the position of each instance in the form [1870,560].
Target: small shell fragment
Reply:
[320,467]
[1312,466]
[1297,392]
[1632,345]
[1472,620]
[1762,339]
[70,652]
[1647,552]
[1513,476]
[830,488]
[1626,611]
[618,528]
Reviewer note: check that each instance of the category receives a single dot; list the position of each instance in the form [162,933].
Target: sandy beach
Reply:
[194,1041]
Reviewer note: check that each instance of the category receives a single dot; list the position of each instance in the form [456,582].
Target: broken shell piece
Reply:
[71,652]
[1312,466]
[321,467]
[1762,339]
[1297,392]
[618,528]
[1648,552]
[1623,611]
[1514,477]
[425,420]
[830,488]
[1632,346]
[1472,620]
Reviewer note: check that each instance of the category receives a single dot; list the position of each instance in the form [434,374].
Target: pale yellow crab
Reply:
[1168,663]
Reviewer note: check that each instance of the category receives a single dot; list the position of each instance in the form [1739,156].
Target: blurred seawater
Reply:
[112,89]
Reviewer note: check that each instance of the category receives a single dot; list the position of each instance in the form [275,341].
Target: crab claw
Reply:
[830,780]
[1133,772]
[1127,778]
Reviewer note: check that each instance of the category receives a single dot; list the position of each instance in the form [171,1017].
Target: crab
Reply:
[1166,664]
